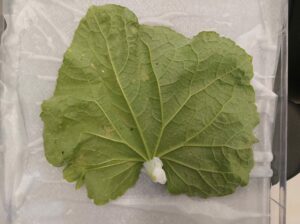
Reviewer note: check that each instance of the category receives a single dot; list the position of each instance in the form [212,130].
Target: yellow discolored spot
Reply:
[108,130]
[144,77]
[93,66]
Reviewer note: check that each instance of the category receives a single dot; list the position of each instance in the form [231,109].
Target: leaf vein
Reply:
[119,84]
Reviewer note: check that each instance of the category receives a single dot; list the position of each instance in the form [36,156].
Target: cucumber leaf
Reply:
[127,93]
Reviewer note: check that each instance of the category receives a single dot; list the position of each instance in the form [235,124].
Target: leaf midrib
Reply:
[184,181]
[115,140]
[198,133]
[118,81]
[189,97]
[160,98]
[198,171]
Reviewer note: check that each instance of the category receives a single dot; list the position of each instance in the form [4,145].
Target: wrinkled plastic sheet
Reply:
[38,33]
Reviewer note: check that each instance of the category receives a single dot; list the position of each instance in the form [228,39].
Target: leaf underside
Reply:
[128,92]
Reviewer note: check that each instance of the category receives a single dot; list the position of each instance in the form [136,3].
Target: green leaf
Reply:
[127,93]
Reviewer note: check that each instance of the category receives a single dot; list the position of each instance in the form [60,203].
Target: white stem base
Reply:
[155,171]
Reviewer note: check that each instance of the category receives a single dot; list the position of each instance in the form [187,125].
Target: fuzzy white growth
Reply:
[155,171]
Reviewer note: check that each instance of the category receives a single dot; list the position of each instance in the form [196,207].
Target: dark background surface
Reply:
[294,52]
[293,165]
[293,135]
